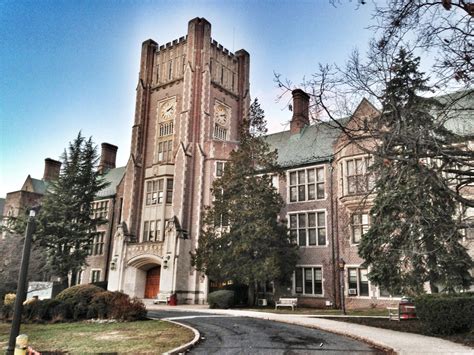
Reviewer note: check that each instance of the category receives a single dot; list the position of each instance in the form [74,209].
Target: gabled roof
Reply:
[312,145]
[460,114]
[39,186]
[315,143]
[114,176]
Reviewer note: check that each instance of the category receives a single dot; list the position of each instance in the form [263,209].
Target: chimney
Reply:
[51,169]
[107,157]
[300,117]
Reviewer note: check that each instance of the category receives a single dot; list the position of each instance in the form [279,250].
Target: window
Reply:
[309,280]
[155,191]
[157,74]
[220,132]
[220,166]
[166,128]
[359,226]
[151,231]
[169,191]
[80,275]
[307,184]
[165,151]
[309,229]
[357,178]
[97,247]
[99,209]
[95,276]
[170,69]
[358,282]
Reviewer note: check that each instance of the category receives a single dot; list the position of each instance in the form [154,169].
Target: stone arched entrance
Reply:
[143,276]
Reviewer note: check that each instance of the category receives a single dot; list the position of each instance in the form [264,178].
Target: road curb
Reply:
[182,348]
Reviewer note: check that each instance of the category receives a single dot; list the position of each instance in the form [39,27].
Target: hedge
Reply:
[446,313]
[221,299]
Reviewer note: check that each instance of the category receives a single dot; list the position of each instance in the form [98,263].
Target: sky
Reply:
[70,66]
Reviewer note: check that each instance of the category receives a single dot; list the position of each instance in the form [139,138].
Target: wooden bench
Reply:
[162,297]
[287,302]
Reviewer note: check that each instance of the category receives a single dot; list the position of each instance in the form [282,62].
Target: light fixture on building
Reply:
[165,261]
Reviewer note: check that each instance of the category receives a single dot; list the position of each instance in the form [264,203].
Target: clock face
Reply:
[221,114]
[168,110]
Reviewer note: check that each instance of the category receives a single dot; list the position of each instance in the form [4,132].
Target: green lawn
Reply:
[132,337]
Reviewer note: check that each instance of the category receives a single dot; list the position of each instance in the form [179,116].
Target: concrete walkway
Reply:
[400,342]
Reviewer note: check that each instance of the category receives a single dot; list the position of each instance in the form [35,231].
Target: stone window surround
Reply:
[100,208]
[316,226]
[364,227]
[346,282]
[306,168]
[217,170]
[94,272]
[163,191]
[306,266]
[98,244]
[343,168]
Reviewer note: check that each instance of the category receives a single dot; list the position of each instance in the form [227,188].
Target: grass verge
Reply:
[128,337]
[410,326]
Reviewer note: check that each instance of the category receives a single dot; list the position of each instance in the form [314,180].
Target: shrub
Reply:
[9,298]
[47,310]
[116,305]
[79,294]
[126,309]
[6,312]
[446,313]
[221,299]
[101,305]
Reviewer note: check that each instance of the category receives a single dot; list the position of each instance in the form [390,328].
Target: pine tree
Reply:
[64,224]
[242,239]
[414,236]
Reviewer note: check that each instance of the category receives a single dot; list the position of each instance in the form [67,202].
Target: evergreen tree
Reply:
[64,224]
[415,232]
[242,238]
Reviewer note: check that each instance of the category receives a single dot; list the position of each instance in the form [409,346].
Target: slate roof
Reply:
[315,143]
[461,113]
[114,176]
[39,186]
[312,145]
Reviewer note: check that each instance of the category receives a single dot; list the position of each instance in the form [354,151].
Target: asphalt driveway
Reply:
[223,334]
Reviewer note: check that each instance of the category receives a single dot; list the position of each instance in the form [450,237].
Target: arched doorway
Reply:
[152,286]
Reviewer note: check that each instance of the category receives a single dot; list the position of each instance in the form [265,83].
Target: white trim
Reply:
[346,282]
[308,295]
[91,273]
[326,194]
[317,246]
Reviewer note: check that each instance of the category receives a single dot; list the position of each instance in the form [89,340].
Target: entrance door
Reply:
[152,286]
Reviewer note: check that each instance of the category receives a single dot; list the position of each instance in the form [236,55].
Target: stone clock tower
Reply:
[191,95]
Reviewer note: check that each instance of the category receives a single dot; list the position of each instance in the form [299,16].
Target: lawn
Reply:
[409,326]
[131,337]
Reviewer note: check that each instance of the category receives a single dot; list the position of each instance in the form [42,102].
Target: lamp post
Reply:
[342,265]
[21,288]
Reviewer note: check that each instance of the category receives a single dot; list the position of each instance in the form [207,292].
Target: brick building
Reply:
[191,95]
